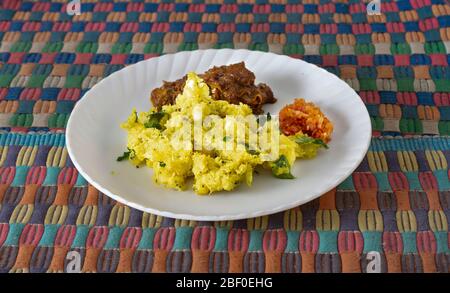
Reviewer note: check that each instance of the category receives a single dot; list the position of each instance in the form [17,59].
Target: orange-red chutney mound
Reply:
[305,117]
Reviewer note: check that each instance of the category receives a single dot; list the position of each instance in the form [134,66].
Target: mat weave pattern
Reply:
[391,215]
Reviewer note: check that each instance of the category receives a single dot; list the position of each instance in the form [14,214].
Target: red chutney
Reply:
[305,117]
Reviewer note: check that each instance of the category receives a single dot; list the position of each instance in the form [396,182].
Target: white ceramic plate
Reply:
[95,139]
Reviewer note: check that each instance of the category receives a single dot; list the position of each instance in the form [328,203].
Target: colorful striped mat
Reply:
[391,215]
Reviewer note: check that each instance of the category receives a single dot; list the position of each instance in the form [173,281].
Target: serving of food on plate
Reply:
[192,132]
[255,133]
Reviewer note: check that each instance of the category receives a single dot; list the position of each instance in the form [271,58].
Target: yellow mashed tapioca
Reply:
[178,147]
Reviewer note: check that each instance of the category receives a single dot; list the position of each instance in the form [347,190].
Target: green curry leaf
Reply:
[309,140]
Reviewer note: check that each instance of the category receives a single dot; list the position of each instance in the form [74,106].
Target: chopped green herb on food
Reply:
[251,151]
[285,176]
[281,168]
[162,164]
[126,155]
[154,120]
[269,117]
[226,138]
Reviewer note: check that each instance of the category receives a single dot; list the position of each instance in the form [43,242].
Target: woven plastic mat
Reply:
[391,215]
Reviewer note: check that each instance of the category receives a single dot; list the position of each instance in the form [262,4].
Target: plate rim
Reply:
[165,213]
